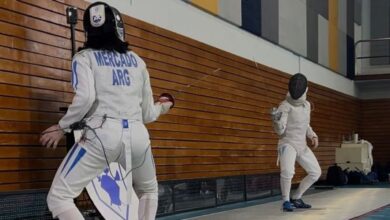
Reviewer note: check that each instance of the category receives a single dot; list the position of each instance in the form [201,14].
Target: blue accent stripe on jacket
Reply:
[75,80]
[80,155]
[69,156]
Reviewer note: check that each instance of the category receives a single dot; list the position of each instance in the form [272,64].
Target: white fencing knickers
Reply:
[287,157]
[125,142]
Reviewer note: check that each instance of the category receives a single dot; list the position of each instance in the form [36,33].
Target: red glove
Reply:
[166,97]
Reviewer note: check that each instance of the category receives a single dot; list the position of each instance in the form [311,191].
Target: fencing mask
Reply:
[100,19]
[297,85]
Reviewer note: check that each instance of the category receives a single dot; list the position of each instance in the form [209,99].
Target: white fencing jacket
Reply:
[294,125]
[107,82]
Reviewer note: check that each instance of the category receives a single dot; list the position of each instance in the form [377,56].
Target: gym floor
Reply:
[371,202]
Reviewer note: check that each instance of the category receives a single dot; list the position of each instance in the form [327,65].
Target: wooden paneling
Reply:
[375,127]
[220,125]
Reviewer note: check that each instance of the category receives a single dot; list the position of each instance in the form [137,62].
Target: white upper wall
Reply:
[292,28]
[184,19]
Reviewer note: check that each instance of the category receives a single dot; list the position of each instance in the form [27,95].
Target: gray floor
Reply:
[342,203]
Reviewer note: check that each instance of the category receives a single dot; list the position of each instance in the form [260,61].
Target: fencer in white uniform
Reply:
[291,121]
[114,98]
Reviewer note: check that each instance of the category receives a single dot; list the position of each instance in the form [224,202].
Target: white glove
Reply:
[275,114]
[314,142]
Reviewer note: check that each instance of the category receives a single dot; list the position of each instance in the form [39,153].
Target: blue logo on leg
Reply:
[111,186]
[110,195]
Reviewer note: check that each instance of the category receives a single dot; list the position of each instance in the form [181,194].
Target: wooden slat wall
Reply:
[220,125]
[375,127]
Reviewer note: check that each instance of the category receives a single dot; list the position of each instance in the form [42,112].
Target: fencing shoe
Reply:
[288,206]
[299,204]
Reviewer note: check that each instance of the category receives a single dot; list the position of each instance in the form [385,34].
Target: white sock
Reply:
[147,208]
[71,214]
[285,185]
[303,186]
